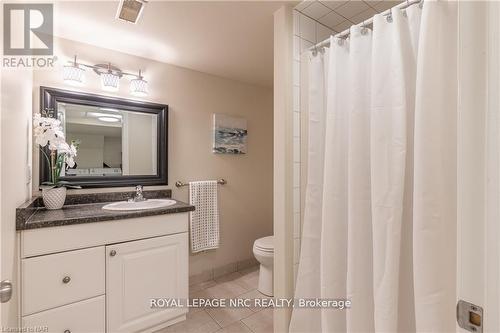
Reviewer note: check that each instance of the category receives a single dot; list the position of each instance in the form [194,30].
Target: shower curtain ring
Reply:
[364,30]
[389,16]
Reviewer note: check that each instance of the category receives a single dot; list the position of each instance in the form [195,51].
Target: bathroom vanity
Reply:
[85,269]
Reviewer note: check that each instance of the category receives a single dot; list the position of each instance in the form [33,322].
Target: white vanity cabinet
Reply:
[141,270]
[100,277]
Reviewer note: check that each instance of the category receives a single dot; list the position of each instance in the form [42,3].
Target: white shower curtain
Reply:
[380,214]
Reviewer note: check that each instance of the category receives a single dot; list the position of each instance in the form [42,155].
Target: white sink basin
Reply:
[140,205]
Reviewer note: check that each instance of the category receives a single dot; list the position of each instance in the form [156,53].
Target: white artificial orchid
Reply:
[69,152]
[48,132]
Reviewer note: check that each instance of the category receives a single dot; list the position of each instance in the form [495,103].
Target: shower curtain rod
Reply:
[344,34]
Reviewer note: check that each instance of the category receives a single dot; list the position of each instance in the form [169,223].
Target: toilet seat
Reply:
[264,244]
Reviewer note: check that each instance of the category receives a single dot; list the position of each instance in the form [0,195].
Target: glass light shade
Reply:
[73,74]
[110,81]
[139,87]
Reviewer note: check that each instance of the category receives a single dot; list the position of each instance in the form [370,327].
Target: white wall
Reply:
[478,185]
[15,153]
[113,151]
[491,288]
[283,132]
[246,201]
[91,149]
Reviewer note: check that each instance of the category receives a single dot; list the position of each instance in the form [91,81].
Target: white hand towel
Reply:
[204,221]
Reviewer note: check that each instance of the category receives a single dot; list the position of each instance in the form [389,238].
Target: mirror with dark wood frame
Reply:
[120,142]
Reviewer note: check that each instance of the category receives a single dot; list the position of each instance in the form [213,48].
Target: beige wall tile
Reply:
[201,277]
[201,285]
[226,269]
[250,263]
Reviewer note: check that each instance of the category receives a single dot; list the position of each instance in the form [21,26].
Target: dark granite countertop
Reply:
[87,208]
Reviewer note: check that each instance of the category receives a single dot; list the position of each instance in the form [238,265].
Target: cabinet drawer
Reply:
[85,316]
[58,279]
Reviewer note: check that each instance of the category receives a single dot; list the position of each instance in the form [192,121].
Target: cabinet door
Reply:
[141,270]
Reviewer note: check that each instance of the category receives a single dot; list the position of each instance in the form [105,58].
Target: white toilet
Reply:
[263,249]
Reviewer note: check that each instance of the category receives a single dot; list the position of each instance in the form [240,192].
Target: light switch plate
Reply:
[28,174]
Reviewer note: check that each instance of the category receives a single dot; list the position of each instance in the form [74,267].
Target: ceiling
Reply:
[341,14]
[232,39]
[106,131]
[86,119]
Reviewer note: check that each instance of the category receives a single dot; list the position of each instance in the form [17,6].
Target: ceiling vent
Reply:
[130,10]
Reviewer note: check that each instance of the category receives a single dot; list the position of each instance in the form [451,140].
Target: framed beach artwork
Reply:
[230,134]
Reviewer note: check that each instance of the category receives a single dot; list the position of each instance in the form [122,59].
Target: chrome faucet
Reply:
[138,194]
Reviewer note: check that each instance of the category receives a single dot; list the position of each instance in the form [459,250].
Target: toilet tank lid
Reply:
[265,242]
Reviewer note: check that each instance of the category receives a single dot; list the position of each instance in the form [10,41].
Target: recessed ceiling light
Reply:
[130,10]
[109,119]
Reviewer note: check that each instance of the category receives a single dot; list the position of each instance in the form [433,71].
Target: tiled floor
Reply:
[241,284]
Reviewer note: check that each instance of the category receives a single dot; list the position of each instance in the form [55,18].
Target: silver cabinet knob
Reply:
[67,331]
[66,279]
[112,253]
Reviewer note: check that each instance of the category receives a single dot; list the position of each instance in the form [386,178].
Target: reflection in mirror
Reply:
[121,142]
[111,142]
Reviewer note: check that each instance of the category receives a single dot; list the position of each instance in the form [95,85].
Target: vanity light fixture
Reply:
[139,86]
[110,77]
[74,73]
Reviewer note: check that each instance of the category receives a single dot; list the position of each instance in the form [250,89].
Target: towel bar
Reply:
[181,184]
